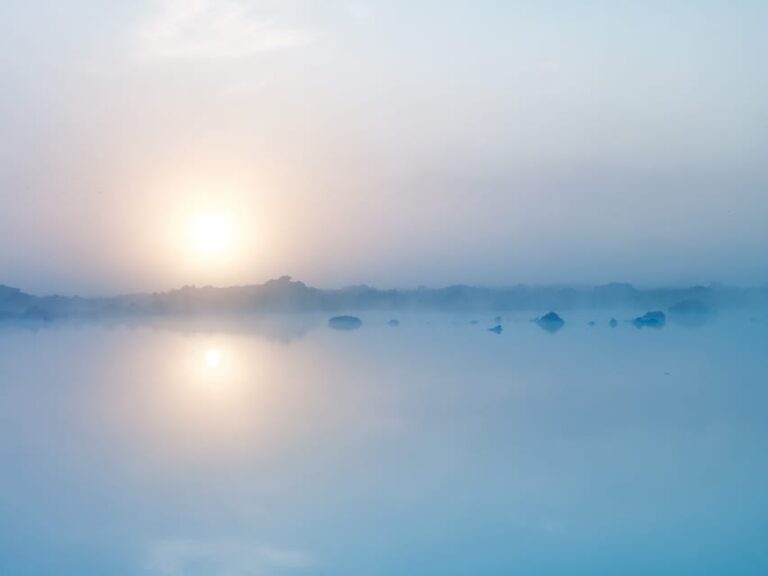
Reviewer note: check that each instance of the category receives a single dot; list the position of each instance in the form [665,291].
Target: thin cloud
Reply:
[214,29]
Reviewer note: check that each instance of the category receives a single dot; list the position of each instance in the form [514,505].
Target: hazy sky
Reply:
[390,142]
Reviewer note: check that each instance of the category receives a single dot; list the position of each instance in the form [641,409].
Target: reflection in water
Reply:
[212,393]
[550,328]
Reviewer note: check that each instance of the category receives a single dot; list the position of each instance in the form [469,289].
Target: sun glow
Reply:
[212,233]
[213,359]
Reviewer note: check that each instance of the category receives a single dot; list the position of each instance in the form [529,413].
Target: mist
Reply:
[377,287]
[389,143]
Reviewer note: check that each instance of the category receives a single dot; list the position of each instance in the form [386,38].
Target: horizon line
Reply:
[288,278]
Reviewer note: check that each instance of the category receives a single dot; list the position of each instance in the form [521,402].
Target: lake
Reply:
[274,445]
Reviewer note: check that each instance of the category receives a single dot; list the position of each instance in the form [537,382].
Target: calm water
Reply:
[279,446]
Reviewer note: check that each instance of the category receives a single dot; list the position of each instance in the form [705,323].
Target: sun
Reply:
[212,233]
[213,359]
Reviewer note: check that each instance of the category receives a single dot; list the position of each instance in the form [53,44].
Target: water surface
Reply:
[279,446]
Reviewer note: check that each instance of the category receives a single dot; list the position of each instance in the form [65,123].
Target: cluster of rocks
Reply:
[552,322]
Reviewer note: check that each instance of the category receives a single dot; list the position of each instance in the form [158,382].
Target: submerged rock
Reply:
[498,329]
[591,323]
[345,323]
[613,323]
[551,322]
[655,319]
[394,323]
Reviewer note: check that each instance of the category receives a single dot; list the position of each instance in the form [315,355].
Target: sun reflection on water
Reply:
[208,398]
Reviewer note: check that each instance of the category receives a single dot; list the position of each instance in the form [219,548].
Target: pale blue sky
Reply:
[394,143]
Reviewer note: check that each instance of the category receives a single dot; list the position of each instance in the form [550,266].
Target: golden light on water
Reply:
[208,397]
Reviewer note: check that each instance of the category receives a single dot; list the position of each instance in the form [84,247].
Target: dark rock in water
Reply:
[498,319]
[551,317]
[498,329]
[345,323]
[394,323]
[473,322]
[550,322]
[591,323]
[613,323]
[655,319]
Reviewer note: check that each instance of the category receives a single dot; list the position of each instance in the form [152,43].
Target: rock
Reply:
[613,323]
[551,317]
[591,323]
[498,329]
[655,319]
[550,322]
[345,323]
[394,323]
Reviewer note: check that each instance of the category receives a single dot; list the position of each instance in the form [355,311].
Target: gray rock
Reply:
[551,322]
[655,319]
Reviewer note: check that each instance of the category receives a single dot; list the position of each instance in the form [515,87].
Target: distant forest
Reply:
[286,295]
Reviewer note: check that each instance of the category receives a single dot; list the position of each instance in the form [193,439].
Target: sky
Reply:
[395,143]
